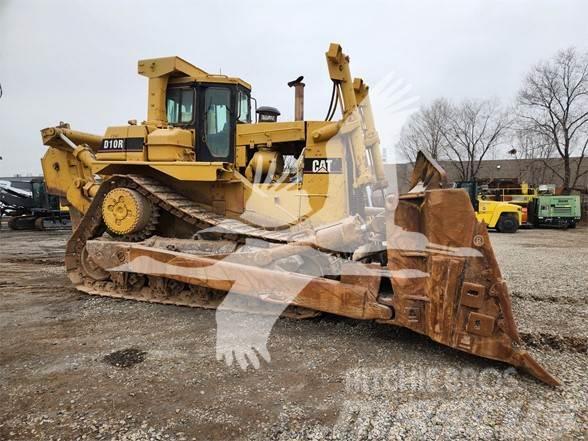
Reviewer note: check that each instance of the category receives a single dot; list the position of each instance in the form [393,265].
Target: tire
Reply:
[572,224]
[507,223]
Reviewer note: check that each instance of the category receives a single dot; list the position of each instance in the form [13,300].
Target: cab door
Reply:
[217,125]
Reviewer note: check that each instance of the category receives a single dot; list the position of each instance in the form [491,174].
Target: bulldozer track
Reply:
[163,197]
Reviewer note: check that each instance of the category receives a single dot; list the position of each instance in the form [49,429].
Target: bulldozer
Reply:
[207,203]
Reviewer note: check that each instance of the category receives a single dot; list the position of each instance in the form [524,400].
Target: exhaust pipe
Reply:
[298,98]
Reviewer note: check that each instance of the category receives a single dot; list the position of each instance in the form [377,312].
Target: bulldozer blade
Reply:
[446,280]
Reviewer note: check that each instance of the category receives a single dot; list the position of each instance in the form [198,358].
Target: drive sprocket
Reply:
[129,215]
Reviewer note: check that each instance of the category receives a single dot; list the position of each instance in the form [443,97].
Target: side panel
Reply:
[262,133]
[318,195]
[123,143]
[559,206]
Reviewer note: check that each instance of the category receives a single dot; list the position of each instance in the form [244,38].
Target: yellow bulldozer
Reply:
[207,199]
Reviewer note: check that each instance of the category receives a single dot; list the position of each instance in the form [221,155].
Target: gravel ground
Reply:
[79,367]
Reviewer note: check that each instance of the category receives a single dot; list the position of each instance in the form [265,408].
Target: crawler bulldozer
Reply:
[208,199]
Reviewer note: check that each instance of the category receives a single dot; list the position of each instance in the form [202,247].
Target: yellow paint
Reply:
[173,144]
[65,176]
[180,170]
[267,134]
[160,70]
[338,64]
[121,211]
[490,211]
[254,185]
[123,132]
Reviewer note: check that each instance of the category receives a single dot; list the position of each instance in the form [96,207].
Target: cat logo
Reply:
[322,165]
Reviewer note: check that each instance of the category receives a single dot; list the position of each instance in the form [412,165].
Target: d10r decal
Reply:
[122,144]
[113,144]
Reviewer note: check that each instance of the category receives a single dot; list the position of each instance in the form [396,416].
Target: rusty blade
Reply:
[463,302]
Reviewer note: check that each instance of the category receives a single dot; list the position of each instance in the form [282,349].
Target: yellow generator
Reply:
[205,204]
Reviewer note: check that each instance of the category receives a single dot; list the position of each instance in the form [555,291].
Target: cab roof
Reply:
[180,71]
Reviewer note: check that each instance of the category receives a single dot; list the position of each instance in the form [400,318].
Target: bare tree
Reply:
[553,104]
[424,130]
[474,129]
[529,150]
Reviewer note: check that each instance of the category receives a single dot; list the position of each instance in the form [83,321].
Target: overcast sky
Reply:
[76,61]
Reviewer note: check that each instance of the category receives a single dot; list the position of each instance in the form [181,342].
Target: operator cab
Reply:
[213,110]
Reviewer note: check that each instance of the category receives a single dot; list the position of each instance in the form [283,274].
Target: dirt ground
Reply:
[74,366]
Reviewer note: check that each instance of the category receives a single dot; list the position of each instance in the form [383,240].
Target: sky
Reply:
[76,61]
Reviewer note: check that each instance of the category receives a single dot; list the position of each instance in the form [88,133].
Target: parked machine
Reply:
[195,207]
[28,205]
[562,211]
[541,205]
[502,216]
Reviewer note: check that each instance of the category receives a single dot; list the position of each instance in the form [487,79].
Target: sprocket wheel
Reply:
[147,231]
[129,215]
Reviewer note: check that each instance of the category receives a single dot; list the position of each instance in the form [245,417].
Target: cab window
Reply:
[180,105]
[244,110]
[217,121]
[39,193]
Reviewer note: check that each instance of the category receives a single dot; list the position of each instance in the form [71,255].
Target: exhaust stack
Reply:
[298,98]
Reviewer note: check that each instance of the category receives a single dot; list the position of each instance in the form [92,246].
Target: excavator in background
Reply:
[28,206]
[200,205]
